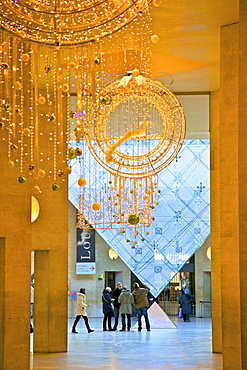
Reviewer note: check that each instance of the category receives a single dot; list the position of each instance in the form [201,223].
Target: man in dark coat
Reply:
[107,308]
[115,295]
[142,304]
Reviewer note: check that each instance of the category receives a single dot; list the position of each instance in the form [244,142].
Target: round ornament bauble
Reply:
[133,219]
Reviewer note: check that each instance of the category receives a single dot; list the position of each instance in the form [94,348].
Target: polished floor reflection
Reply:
[188,348]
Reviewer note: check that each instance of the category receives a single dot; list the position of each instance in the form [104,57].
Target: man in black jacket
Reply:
[115,295]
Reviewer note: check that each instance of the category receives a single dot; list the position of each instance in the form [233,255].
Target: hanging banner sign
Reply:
[85,256]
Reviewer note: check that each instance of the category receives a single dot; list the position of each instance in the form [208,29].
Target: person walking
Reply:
[107,308]
[81,311]
[141,304]
[115,295]
[126,300]
[185,302]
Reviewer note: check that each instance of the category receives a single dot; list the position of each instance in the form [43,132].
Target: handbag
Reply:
[180,315]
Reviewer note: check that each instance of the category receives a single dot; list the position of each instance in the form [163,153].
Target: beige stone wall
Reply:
[202,279]
[91,283]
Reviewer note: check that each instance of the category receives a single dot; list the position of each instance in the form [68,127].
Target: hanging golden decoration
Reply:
[68,22]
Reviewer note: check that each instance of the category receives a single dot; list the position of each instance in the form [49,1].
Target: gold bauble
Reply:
[6,107]
[82,182]
[41,100]
[122,231]
[41,173]
[18,85]
[26,131]
[14,147]
[11,164]
[51,117]
[156,3]
[133,219]
[72,65]
[67,170]
[135,72]
[36,189]
[25,57]
[47,68]
[78,152]
[96,206]
[133,247]
[97,61]
[147,233]
[65,87]
[4,65]
[155,39]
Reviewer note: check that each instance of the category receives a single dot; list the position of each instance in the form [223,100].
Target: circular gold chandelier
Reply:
[136,127]
[68,22]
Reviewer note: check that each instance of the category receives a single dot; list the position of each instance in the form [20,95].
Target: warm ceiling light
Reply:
[35,209]
[112,254]
[209,253]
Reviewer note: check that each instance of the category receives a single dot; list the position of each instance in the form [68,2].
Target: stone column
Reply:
[50,245]
[215,222]
[229,199]
[242,168]
[15,267]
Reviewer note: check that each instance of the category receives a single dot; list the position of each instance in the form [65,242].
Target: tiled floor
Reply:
[187,348]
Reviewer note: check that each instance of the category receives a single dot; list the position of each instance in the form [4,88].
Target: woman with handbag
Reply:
[107,308]
[185,304]
[81,311]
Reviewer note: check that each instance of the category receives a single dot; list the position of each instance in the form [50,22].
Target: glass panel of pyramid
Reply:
[181,218]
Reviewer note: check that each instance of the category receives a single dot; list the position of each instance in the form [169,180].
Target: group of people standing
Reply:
[120,303]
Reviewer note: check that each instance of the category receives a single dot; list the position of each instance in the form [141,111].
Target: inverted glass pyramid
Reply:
[181,219]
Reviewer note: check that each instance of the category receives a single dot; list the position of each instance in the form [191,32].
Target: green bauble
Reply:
[105,100]
[133,219]
[21,179]
[55,187]
[72,153]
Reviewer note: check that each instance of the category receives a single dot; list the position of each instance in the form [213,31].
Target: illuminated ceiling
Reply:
[189,46]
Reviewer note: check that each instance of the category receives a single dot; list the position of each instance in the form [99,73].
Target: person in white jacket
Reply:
[81,311]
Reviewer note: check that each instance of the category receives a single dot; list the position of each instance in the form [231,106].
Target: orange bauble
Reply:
[96,206]
[82,182]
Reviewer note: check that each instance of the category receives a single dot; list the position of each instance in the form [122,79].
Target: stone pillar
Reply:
[50,245]
[242,168]
[229,199]
[215,222]
[15,267]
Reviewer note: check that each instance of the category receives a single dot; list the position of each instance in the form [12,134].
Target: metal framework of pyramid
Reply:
[182,218]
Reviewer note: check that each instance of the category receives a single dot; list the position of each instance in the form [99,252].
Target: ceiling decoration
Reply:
[68,22]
